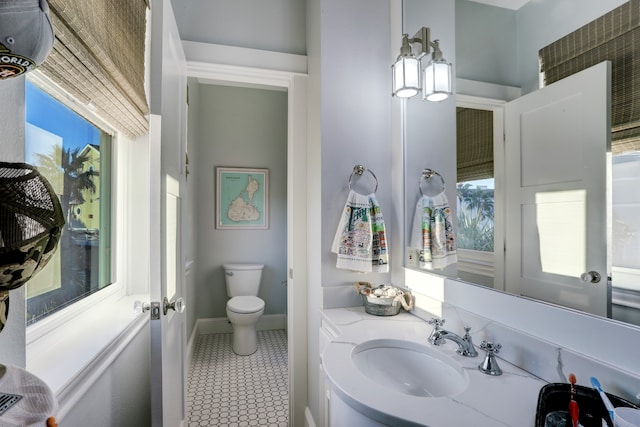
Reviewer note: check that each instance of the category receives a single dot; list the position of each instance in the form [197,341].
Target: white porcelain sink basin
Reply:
[410,368]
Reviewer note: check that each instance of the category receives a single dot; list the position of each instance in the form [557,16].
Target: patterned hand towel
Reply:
[360,240]
[432,235]
[379,249]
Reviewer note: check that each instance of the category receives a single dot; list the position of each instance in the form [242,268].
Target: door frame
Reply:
[232,66]
[493,97]
[496,106]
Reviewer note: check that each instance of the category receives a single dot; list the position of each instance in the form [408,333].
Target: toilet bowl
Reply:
[244,308]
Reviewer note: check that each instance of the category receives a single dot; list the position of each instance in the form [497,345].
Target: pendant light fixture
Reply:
[435,81]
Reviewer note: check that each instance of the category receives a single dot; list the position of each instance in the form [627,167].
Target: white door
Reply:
[168,149]
[557,143]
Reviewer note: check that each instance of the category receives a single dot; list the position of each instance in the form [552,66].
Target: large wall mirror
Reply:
[496,61]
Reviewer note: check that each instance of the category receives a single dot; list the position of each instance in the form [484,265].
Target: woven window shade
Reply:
[474,144]
[98,57]
[614,36]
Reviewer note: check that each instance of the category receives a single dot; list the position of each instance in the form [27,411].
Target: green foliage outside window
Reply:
[475,217]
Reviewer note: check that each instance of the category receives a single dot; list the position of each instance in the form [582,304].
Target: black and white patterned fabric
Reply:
[31,221]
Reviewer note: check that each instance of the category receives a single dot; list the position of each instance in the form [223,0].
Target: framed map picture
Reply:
[242,198]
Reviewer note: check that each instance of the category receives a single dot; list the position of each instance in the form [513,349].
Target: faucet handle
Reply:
[489,365]
[467,328]
[437,322]
[434,335]
[490,347]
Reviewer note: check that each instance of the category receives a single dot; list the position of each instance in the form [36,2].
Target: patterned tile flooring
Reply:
[227,390]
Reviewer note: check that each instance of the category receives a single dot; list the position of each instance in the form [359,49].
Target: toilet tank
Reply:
[243,279]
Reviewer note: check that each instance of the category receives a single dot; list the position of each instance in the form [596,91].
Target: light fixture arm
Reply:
[422,43]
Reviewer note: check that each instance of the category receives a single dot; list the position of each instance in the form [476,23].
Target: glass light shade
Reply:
[406,76]
[437,81]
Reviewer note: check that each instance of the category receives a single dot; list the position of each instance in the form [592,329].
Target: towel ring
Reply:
[359,170]
[427,174]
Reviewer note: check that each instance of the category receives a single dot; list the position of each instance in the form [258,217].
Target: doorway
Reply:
[293,84]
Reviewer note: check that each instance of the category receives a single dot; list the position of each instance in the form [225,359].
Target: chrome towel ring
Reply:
[427,174]
[359,170]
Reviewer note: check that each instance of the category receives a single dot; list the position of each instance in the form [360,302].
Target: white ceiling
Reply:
[507,4]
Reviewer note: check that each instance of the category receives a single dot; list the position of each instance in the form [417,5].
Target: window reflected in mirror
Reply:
[475,191]
[475,179]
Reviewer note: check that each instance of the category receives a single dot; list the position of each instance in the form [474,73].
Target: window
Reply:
[76,158]
[475,173]
[475,215]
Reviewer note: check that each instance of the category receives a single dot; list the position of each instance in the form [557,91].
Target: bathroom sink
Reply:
[410,368]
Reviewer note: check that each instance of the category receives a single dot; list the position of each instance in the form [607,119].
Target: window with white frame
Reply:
[75,156]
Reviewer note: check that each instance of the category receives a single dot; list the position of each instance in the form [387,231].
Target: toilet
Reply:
[244,308]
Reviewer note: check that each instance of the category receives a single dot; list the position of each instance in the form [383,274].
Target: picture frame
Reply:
[242,198]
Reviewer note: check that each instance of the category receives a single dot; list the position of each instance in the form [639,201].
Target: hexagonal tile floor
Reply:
[227,390]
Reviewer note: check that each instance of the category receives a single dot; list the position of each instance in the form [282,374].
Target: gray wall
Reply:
[276,25]
[486,46]
[12,337]
[349,62]
[500,46]
[238,127]
[355,115]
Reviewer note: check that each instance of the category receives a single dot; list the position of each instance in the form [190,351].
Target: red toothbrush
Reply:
[573,405]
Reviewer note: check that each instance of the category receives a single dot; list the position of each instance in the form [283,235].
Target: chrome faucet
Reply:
[439,335]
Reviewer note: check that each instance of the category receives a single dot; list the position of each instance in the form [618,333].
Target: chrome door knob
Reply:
[590,277]
[176,305]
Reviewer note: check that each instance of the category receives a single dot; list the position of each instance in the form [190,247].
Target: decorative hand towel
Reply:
[379,250]
[360,240]
[432,234]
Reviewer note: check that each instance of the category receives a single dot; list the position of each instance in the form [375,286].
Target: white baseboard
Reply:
[221,325]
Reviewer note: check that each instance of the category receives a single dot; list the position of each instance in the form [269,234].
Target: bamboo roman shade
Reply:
[99,56]
[474,145]
[614,36]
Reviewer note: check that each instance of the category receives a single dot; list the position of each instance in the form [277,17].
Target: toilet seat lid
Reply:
[245,304]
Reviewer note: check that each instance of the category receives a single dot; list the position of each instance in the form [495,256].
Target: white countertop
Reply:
[506,400]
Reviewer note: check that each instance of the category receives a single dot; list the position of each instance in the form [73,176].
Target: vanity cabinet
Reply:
[335,412]
[341,414]
[326,335]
